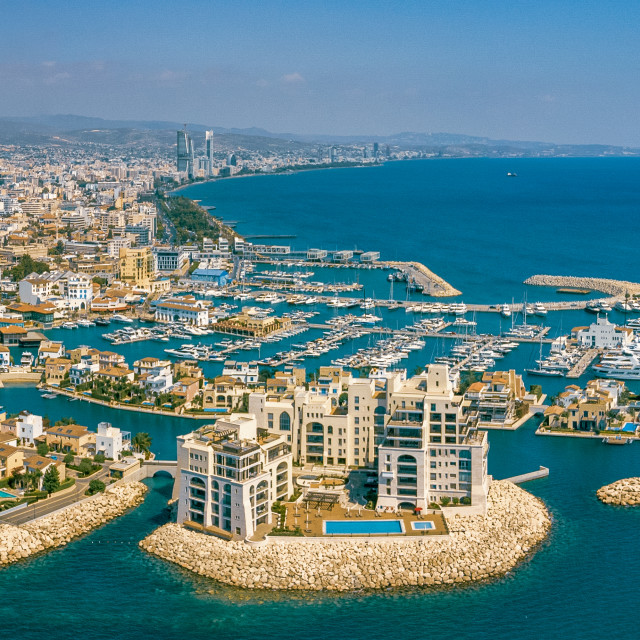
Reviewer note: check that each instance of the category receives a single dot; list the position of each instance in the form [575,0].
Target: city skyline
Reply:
[526,72]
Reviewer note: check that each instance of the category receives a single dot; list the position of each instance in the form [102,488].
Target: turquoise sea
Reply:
[484,233]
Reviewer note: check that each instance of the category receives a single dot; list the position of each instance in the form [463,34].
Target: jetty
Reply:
[433,284]
[581,366]
[542,472]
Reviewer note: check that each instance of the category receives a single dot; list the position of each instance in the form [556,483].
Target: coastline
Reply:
[56,529]
[288,172]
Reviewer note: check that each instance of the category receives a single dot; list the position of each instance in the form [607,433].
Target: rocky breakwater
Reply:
[59,528]
[611,287]
[478,548]
[625,492]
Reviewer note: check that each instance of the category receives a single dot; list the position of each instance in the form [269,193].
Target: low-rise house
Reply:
[246,372]
[115,374]
[111,442]
[110,359]
[71,438]
[186,389]
[42,464]
[587,409]
[48,349]
[5,356]
[83,371]
[224,393]
[10,458]
[187,368]
[29,427]
[56,370]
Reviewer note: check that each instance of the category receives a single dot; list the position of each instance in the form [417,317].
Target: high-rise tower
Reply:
[209,150]
[185,152]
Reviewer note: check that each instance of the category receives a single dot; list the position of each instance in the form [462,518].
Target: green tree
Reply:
[99,457]
[51,480]
[343,399]
[142,443]
[96,486]
[69,458]
[85,467]
[42,449]
[58,250]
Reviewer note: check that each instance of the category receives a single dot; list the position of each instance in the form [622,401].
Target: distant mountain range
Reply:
[74,129]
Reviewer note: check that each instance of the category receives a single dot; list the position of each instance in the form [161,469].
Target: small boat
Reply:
[118,317]
[512,174]
[26,360]
[103,322]
[69,325]
[617,440]
[505,311]
[539,309]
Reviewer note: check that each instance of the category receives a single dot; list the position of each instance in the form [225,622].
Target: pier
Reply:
[581,366]
[433,284]
[542,472]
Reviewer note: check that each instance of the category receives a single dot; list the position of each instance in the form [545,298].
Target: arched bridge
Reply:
[153,467]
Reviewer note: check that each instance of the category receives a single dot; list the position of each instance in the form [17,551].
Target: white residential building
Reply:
[65,289]
[28,427]
[230,474]
[246,372]
[110,441]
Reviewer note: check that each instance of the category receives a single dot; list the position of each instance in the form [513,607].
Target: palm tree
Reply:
[142,442]
[34,479]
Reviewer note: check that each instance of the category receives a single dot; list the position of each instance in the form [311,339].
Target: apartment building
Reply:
[495,398]
[137,266]
[432,448]
[230,474]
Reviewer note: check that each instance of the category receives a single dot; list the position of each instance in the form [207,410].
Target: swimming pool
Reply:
[362,527]
[4,494]
[423,525]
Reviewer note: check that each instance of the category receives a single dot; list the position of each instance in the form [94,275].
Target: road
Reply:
[55,502]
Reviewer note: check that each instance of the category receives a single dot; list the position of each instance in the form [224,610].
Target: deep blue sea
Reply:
[483,232]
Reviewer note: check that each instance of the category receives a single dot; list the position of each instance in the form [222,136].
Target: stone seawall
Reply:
[59,528]
[625,492]
[478,548]
[611,287]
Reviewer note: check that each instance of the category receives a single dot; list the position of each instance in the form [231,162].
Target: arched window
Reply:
[407,459]
[227,488]
[197,482]
[285,422]
[214,485]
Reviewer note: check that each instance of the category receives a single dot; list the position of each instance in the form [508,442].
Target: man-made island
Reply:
[477,548]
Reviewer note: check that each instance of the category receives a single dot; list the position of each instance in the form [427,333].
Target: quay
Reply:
[581,366]
[542,472]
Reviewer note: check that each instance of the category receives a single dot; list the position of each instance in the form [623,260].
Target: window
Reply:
[285,422]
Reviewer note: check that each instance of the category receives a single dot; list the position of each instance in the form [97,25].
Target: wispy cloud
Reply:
[292,78]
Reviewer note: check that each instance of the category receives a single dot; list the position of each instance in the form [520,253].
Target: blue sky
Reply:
[555,71]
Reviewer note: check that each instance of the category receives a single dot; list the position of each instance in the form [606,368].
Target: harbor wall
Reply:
[479,547]
[58,528]
[605,285]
